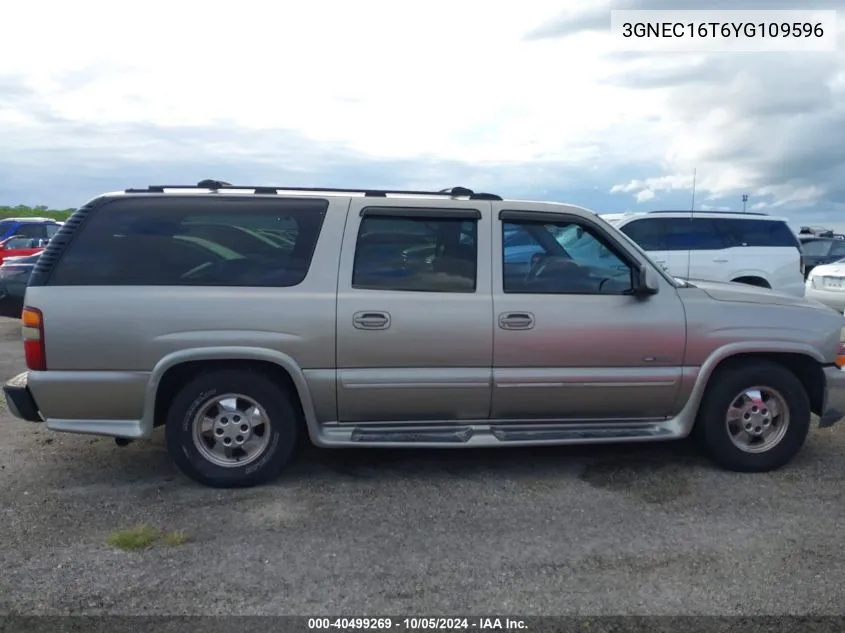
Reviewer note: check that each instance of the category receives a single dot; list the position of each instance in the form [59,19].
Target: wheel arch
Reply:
[175,369]
[802,360]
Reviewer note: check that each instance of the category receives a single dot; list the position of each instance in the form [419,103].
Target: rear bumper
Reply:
[19,399]
[834,397]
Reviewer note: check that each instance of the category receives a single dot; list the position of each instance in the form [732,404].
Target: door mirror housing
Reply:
[646,281]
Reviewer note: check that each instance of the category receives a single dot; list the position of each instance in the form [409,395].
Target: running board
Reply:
[457,435]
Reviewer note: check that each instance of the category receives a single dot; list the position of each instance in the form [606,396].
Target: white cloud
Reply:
[424,90]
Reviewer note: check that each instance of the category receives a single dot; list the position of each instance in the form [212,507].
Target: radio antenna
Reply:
[694,173]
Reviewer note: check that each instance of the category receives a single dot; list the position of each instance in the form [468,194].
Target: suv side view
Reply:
[750,248]
[391,319]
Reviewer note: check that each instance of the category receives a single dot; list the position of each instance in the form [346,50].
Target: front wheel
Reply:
[231,428]
[755,417]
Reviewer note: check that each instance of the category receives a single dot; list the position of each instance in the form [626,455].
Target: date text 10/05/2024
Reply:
[416,623]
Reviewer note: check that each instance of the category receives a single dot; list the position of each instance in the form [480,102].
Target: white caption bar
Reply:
[725,31]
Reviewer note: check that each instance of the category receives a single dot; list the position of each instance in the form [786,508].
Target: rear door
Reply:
[415,312]
[764,247]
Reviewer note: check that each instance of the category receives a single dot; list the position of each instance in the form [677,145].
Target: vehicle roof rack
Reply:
[220,185]
[694,212]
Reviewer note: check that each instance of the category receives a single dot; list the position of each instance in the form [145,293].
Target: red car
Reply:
[18,246]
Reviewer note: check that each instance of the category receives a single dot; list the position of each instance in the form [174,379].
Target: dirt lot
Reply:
[620,530]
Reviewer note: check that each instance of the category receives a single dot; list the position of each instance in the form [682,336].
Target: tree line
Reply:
[39,211]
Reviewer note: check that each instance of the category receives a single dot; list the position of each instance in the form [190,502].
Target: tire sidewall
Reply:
[195,395]
[714,433]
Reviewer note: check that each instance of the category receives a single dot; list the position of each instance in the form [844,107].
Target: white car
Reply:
[750,248]
[826,284]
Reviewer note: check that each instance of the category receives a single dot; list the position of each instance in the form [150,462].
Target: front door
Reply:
[571,341]
[415,312]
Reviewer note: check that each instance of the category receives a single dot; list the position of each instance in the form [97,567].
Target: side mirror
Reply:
[647,281]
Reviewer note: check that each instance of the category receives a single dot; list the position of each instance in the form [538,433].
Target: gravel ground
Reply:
[600,530]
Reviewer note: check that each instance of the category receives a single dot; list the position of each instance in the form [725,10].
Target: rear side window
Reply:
[757,233]
[416,254]
[193,242]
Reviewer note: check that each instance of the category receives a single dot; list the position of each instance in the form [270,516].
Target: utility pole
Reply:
[744,201]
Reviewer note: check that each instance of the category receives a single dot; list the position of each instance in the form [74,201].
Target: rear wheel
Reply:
[754,417]
[231,428]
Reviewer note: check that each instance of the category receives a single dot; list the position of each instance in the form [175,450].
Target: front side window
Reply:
[193,242]
[692,234]
[21,242]
[35,231]
[565,258]
[816,248]
[647,233]
[425,254]
[837,249]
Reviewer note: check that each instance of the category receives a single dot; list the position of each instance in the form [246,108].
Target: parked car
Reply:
[14,275]
[349,339]
[35,228]
[18,246]
[826,284]
[749,248]
[821,250]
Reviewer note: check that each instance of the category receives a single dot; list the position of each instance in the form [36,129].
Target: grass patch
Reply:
[144,536]
[138,537]
[175,538]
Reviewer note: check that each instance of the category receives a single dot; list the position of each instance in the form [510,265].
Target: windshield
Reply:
[816,248]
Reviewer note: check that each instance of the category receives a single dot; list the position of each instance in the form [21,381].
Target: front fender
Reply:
[683,423]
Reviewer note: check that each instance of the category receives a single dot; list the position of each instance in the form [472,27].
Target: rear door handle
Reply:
[371,320]
[516,321]
[720,261]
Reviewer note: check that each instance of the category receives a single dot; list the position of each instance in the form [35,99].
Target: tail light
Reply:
[33,339]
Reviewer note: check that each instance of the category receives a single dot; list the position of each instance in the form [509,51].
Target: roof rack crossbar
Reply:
[219,185]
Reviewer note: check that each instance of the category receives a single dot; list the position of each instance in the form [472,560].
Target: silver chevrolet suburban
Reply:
[243,319]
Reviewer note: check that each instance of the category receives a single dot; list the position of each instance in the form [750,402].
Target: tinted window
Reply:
[567,258]
[816,248]
[6,227]
[194,242]
[52,229]
[410,254]
[837,248]
[647,233]
[757,232]
[691,234]
[21,242]
[32,230]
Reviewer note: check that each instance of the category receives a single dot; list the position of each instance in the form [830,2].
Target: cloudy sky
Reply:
[529,99]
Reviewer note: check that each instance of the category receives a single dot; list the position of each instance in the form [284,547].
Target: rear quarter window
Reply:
[192,242]
[757,233]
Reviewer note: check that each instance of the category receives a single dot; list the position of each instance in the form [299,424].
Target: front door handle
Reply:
[720,261]
[371,320]
[516,321]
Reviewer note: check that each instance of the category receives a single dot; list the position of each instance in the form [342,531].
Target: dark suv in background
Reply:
[819,247]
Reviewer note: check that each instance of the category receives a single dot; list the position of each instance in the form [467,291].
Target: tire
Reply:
[712,430]
[271,455]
